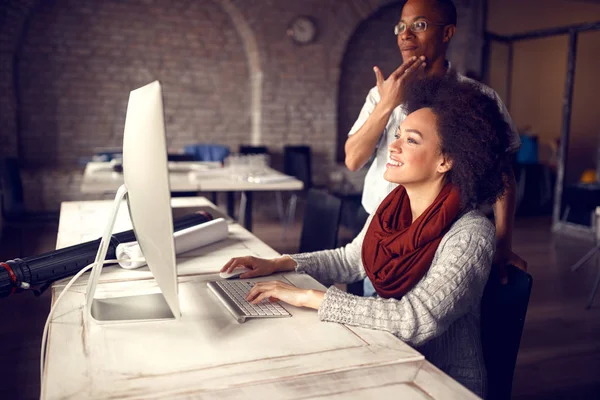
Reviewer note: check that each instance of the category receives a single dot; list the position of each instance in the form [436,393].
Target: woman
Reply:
[426,249]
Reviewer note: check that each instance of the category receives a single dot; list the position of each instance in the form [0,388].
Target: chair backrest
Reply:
[297,162]
[249,149]
[321,221]
[503,310]
[528,152]
[11,187]
[1,216]
[535,189]
[207,152]
[181,157]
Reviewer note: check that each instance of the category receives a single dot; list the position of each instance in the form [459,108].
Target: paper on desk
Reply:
[185,240]
[273,178]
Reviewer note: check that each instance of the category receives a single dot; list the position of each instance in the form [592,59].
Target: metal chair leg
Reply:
[584,259]
[292,208]
[593,294]
[566,213]
[281,212]
[242,211]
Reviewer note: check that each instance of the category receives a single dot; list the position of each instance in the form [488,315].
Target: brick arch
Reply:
[371,42]
[254,64]
[77,64]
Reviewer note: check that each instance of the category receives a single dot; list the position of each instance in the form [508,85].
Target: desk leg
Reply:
[231,204]
[248,210]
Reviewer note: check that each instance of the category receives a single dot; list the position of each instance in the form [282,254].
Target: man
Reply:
[424,33]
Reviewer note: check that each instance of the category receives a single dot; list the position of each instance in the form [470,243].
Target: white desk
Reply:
[207,354]
[99,178]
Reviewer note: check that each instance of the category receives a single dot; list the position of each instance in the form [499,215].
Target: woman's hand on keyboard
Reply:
[277,290]
[259,266]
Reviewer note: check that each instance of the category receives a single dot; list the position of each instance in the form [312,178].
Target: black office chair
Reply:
[535,189]
[250,149]
[179,157]
[579,201]
[297,163]
[503,310]
[14,214]
[13,204]
[321,221]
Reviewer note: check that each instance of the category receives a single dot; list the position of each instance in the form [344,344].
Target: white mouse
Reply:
[235,273]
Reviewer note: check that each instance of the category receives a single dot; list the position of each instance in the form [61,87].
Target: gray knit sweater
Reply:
[439,316]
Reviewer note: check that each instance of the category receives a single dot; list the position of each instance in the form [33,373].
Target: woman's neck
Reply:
[422,196]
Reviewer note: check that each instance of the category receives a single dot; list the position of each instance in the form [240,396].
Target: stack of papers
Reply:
[274,178]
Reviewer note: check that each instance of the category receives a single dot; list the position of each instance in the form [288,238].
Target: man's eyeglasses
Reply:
[415,27]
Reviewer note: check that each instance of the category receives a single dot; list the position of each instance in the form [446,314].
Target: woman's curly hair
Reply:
[473,134]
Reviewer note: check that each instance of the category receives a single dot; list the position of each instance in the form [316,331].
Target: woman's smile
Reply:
[393,163]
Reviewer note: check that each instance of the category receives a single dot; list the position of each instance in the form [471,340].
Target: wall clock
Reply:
[303,30]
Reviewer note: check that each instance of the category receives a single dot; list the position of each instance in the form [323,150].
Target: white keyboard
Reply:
[232,294]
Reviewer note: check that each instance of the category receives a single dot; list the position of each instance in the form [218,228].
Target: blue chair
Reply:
[207,152]
[528,152]
[503,310]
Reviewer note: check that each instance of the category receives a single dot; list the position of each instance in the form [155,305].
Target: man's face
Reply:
[429,43]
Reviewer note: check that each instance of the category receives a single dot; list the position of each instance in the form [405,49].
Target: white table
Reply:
[192,176]
[100,178]
[207,354]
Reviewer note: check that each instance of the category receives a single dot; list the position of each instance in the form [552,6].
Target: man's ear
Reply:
[449,33]
[445,165]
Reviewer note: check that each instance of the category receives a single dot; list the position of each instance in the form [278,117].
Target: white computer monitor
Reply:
[146,187]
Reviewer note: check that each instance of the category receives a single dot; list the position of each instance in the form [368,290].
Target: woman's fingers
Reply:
[262,296]
[260,288]
[239,262]
[256,290]
[227,265]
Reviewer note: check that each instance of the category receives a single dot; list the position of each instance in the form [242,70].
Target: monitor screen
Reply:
[146,176]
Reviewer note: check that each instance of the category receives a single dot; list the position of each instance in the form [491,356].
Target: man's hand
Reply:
[277,290]
[505,256]
[390,89]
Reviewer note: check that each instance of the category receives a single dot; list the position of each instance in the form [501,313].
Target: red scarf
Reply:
[397,252]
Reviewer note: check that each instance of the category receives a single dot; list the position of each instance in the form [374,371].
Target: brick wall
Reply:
[80,59]
[13,15]
[229,74]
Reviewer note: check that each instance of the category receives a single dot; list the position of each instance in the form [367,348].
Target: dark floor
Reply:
[560,349]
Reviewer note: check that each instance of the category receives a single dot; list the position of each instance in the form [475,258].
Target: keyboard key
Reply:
[237,291]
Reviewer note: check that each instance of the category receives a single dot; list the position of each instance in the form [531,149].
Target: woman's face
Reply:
[415,157]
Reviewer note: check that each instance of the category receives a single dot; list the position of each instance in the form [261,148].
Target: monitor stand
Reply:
[136,308]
